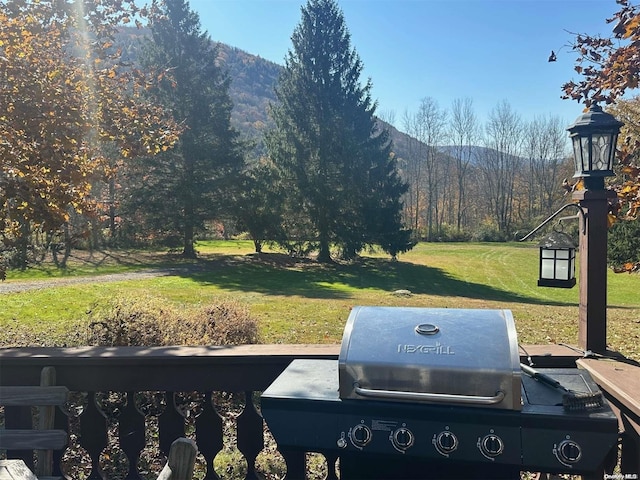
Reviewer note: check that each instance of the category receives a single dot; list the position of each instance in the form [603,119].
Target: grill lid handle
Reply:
[430,397]
[427,329]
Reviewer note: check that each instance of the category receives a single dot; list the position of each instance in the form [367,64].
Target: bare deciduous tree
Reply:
[501,163]
[464,133]
[545,151]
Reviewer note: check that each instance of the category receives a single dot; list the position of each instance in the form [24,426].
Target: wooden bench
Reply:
[44,439]
[621,383]
[15,470]
[181,461]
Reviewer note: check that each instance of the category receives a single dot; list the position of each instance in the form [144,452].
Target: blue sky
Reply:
[487,50]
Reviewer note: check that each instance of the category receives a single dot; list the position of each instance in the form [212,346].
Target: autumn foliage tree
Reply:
[64,96]
[610,67]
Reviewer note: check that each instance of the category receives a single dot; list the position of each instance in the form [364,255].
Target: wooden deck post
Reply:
[592,316]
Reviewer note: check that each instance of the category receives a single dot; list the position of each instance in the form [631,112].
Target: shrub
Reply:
[449,233]
[148,321]
[297,248]
[224,323]
[487,232]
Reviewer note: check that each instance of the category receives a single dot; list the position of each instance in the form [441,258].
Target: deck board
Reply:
[622,380]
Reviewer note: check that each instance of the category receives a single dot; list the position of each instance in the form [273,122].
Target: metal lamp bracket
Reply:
[581,214]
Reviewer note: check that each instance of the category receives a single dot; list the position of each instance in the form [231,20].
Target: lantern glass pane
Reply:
[564,254]
[547,268]
[601,150]
[562,269]
[584,154]
[572,267]
[577,153]
[547,253]
[612,150]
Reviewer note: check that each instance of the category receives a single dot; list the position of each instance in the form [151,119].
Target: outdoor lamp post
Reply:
[594,135]
[557,261]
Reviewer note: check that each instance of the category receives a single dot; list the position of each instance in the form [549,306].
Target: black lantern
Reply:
[594,136]
[557,261]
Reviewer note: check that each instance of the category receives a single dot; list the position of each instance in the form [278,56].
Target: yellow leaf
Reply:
[632,26]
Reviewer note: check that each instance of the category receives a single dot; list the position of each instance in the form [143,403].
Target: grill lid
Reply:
[437,355]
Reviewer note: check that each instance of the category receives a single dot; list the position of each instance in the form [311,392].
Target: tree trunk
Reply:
[22,244]
[324,256]
[67,246]
[188,250]
[112,209]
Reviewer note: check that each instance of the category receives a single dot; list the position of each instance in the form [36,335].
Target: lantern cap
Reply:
[595,119]
[557,240]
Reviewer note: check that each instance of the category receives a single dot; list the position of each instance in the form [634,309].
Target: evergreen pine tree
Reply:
[624,243]
[178,190]
[259,204]
[341,179]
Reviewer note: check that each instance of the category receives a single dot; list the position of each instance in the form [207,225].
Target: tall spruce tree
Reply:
[178,190]
[341,180]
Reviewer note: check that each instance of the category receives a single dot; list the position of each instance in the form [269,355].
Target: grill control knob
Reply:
[569,451]
[491,446]
[402,438]
[446,442]
[360,435]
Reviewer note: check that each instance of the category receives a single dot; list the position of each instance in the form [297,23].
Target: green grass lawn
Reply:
[300,301]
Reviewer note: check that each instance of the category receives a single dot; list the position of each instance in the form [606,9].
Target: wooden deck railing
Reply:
[114,424]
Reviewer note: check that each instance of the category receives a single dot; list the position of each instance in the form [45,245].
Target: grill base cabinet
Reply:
[308,408]
[387,440]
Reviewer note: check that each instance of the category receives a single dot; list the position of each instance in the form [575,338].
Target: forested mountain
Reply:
[502,183]
[252,82]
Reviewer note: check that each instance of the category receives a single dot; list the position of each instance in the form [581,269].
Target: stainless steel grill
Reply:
[435,393]
[451,356]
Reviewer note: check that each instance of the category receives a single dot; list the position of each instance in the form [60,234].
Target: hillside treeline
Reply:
[114,139]
[118,136]
[484,181]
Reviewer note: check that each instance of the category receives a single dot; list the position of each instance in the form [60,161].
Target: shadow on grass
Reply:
[276,274]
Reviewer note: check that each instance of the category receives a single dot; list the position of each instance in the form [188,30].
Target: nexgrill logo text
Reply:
[437,349]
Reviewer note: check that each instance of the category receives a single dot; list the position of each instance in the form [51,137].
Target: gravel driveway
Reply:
[23,286]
